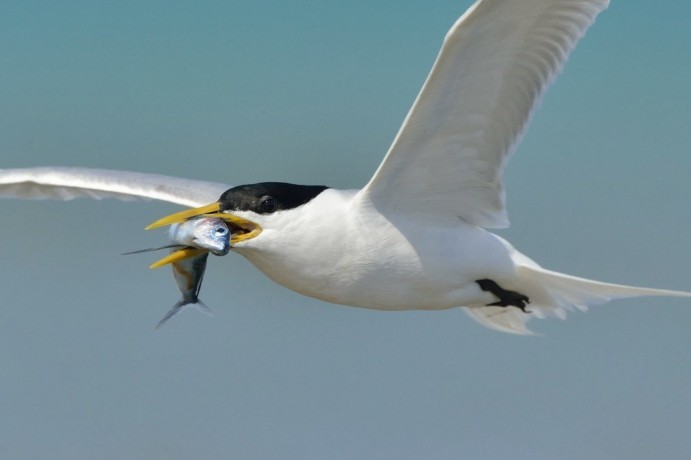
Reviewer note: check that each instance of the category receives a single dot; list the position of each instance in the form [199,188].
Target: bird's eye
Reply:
[267,205]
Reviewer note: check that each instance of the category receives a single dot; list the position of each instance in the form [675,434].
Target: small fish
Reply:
[191,241]
[203,233]
[207,234]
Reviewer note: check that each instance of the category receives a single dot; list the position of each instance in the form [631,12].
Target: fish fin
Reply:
[139,251]
[201,306]
[181,305]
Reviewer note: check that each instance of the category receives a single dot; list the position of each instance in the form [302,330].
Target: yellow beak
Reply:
[184,215]
[241,230]
[180,254]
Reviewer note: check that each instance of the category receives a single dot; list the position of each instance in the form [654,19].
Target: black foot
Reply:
[506,298]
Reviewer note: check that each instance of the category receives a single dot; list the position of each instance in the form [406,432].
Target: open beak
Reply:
[240,229]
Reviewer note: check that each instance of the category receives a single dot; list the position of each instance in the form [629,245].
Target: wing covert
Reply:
[494,65]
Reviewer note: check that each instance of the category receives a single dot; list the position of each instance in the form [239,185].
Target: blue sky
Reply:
[241,92]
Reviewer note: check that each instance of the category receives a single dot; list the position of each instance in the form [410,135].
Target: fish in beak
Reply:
[193,235]
[240,230]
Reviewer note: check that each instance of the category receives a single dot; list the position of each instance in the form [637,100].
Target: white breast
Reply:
[334,250]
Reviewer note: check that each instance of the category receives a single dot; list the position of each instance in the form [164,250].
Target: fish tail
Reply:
[182,305]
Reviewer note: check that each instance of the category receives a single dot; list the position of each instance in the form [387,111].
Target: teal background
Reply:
[313,92]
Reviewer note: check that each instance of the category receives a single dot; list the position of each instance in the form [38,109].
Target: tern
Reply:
[416,236]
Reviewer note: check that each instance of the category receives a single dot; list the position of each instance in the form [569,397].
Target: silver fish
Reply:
[203,233]
[191,241]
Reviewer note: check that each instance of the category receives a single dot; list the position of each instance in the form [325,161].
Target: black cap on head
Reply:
[268,197]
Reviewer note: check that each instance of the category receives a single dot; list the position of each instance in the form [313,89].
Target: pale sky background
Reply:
[313,92]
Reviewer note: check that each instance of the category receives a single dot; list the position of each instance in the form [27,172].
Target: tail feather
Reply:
[553,294]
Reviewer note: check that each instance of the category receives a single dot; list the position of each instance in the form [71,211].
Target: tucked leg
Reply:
[506,298]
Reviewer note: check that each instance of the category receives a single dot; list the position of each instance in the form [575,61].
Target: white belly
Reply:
[379,265]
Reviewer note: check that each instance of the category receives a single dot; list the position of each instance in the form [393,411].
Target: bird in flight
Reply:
[416,236]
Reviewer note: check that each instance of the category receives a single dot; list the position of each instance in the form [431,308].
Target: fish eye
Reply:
[267,205]
[221,231]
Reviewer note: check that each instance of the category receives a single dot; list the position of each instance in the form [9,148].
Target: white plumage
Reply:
[414,237]
[496,62]
[69,183]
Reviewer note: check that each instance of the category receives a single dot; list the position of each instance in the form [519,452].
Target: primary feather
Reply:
[495,63]
[69,183]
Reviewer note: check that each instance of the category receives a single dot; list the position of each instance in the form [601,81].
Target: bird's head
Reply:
[250,209]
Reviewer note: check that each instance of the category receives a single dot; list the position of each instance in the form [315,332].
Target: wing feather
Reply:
[68,183]
[495,63]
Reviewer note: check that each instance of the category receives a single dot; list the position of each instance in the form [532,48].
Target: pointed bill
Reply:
[184,215]
[242,229]
[184,253]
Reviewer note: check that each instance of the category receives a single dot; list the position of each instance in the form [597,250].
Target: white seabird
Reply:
[415,236]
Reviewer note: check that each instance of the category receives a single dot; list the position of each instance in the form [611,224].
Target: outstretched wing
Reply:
[496,62]
[68,183]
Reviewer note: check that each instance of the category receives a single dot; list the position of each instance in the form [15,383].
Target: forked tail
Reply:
[181,305]
[552,294]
